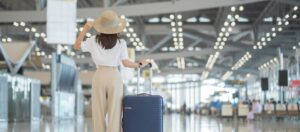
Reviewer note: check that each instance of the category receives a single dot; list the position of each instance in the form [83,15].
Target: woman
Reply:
[107,51]
[256,109]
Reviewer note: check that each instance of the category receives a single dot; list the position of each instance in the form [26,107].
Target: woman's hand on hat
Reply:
[88,25]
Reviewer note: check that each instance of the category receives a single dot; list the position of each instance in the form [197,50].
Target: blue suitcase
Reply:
[143,112]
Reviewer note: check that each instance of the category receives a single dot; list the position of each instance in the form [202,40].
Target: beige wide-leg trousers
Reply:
[107,94]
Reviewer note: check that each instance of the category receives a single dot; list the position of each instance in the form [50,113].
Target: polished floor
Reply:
[172,123]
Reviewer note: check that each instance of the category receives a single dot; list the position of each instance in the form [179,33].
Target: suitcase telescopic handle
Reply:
[149,65]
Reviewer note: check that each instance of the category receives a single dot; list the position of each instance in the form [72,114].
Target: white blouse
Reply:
[105,57]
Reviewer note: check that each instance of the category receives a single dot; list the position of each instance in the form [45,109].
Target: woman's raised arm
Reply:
[87,26]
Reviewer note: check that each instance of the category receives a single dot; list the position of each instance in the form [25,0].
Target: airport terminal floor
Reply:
[149,65]
[173,123]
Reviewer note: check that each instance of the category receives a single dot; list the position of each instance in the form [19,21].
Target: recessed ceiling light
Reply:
[22,24]
[236,16]
[180,29]
[226,23]
[286,23]
[233,9]
[223,29]
[180,34]
[295,16]
[172,16]
[130,29]
[134,35]
[33,29]
[174,34]
[295,8]
[131,39]
[16,24]
[233,23]
[9,39]
[137,39]
[27,30]
[254,47]
[241,8]
[134,43]
[172,24]
[179,16]
[179,23]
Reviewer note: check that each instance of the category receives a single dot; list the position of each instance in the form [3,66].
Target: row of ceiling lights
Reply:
[268,64]
[223,35]
[295,47]
[242,61]
[31,29]
[6,39]
[189,20]
[173,49]
[189,64]
[210,62]
[177,33]
[43,35]
[45,66]
[227,28]
[281,23]
[226,75]
[36,34]
[246,57]
[263,42]
[201,19]
[180,63]
[133,38]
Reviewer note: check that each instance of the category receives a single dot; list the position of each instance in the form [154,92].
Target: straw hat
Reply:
[109,23]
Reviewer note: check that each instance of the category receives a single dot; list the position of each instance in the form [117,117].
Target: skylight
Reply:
[164,49]
[129,19]
[192,20]
[154,20]
[165,19]
[243,19]
[268,19]
[204,19]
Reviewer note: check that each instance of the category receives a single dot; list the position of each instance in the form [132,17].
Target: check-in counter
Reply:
[243,111]
[20,98]
[226,111]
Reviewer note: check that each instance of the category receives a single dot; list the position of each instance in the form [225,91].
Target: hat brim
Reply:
[101,29]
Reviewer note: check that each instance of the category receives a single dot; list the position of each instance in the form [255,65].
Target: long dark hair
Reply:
[107,41]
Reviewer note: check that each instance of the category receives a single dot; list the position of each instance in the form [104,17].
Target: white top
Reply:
[105,57]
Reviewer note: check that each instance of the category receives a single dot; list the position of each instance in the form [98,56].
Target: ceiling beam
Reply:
[170,55]
[199,70]
[128,10]
[227,68]
[266,10]
[163,41]
[119,2]
[267,51]
[291,2]
[241,35]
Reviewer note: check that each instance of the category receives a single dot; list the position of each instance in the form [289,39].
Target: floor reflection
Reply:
[172,123]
